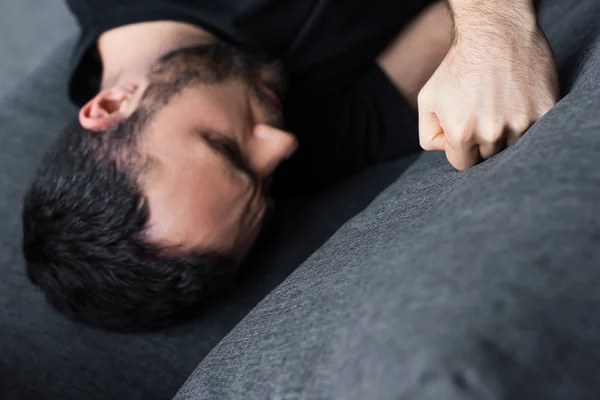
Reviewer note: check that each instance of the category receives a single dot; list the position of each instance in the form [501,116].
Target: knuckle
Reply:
[543,110]
[462,135]
[425,144]
[459,131]
[492,130]
[463,140]
[521,123]
[423,97]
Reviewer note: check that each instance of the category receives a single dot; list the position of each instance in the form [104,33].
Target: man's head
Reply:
[147,204]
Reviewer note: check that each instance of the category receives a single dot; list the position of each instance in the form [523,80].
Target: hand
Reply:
[497,79]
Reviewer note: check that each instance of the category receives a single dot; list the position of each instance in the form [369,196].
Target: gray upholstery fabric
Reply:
[477,285]
[29,31]
[43,356]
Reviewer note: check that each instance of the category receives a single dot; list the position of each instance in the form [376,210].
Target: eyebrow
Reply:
[228,149]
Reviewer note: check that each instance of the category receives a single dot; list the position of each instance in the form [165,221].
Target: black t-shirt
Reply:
[344,110]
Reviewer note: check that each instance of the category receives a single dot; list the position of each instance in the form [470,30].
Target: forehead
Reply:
[190,212]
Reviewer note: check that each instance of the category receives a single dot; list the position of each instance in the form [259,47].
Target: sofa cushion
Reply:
[44,356]
[476,285]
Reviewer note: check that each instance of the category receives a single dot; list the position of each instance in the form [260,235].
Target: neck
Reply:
[128,52]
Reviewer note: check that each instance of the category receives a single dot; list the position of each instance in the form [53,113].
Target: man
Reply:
[146,205]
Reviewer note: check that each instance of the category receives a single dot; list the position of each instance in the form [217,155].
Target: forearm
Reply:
[474,8]
[492,16]
[416,52]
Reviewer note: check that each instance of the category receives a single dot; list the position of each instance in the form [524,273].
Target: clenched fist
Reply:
[498,78]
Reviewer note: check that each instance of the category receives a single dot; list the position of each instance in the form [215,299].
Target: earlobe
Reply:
[109,107]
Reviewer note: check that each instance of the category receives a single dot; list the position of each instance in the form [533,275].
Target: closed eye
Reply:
[230,150]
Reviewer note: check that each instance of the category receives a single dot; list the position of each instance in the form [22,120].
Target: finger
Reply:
[491,148]
[431,134]
[488,150]
[516,130]
[511,137]
[462,156]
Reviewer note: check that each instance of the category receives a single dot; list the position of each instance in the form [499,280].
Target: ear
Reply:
[110,106]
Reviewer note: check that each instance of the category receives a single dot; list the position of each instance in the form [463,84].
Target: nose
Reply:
[270,146]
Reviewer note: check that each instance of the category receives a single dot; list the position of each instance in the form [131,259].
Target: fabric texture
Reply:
[23,48]
[477,285]
[43,356]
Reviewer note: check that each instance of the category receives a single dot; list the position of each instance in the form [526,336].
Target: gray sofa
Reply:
[476,285]
[43,356]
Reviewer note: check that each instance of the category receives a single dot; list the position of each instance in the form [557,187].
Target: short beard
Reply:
[212,64]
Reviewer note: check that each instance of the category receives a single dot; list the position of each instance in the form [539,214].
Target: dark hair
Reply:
[84,223]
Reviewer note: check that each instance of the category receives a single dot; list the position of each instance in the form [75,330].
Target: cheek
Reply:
[220,107]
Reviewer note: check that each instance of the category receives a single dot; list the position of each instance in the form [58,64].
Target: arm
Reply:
[498,78]
[345,131]
[416,52]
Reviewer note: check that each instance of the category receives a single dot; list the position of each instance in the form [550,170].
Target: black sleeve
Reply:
[343,132]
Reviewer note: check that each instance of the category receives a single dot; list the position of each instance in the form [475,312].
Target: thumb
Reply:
[431,134]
